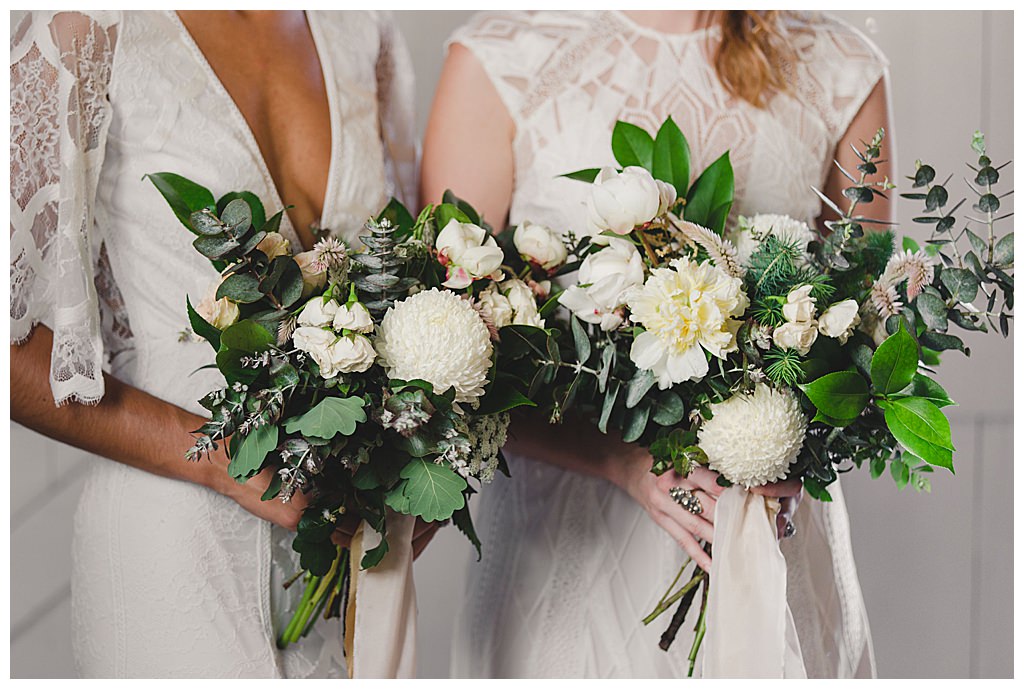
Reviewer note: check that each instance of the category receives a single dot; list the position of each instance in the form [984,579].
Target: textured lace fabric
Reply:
[170,579]
[571,564]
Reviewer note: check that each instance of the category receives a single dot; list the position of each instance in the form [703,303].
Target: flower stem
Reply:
[680,615]
[700,628]
[671,586]
[667,603]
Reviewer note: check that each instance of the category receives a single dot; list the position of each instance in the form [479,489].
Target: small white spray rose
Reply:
[220,313]
[468,252]
[274,245]
[540,245]
[355,318]
[495,307]
[523,303]
[318,313]
[351,354]
[313,276]
[604,280]
[799,306]
[799,336]
[840,320]
[619,201]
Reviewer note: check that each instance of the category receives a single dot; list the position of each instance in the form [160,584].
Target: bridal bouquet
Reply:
[758,346]
[363,377]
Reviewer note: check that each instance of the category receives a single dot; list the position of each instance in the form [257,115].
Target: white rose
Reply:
[668,196]
[495,307]
[620,201]
[799,306]
[468,252]
[840,320]
[523,303]
[539,244]
[318,312]
[355,318]
[220,313]
[274,245]
[313,280]
[315,342]
[799,336]
[604,279]
[351,354]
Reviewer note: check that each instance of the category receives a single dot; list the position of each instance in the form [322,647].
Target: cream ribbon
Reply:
[380,621]
[750,628]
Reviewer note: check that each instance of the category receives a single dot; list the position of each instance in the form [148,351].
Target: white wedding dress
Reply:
[570,563]
[170,579]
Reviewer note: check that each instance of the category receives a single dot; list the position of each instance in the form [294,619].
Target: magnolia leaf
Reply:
[253,450]
[894,362]
[332,416]
[839,395]
[709,199]
[184,196]
[247,336]
[926,388]
[444,213]
[671,160]
[201,327]
[632,145]
[588,175]
[434,491]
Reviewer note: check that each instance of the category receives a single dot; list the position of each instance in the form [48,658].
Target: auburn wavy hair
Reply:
[752,56]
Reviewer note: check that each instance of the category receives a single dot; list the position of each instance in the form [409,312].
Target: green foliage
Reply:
[252,451]
[920,427]
[840,396]
[246,336]
[671,159]
[631,145]
[201,327]
[783,367]
[430,491]
[463,521]
[894,362]
[710,198]
[184,196]
[331,416]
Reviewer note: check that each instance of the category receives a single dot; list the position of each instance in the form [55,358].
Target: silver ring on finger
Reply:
[789,531]
[686,499]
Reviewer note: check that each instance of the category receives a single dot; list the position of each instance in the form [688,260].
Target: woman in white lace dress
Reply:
[177,570]
[583,539]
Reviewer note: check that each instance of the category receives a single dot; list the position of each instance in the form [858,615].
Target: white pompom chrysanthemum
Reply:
[752,439]
[438,337]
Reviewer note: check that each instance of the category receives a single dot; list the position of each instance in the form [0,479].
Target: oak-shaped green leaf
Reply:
[253,450]
[430,491]
[920,427]
[841,395]
[332,416]
[894,362]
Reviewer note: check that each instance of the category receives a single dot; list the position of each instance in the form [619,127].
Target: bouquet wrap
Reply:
[750,628]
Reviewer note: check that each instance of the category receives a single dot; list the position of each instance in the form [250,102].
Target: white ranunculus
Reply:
[799,306]
[540,245]
[355,318]
[619,201]
[668,196]
[840,320]
[523,303]
[220,313]
[603,281]
[799,336]
[318,312]
[495,307]
[274,245]
[313,280]
[468,252]
[750,232]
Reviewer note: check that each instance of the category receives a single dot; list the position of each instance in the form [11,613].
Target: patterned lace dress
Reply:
[571,563]
[170,579]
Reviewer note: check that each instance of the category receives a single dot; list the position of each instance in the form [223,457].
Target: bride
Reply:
[584,538]
[177,569]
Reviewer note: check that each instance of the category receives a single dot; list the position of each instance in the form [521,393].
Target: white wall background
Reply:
[937,570]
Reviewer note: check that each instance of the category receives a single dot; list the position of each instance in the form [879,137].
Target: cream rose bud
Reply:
[495,307]
[799,336]
[315,342]
[220,313]
[355,318]
[799,306]
[274,245]
[318,312]
[619,201]
[523,303]
[668,196]
[604,279]
[468,252]
[539,244]
[840,320]
[351,354]
[313,280]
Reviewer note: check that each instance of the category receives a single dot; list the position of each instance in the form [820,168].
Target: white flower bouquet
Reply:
[363,378]
[759,346]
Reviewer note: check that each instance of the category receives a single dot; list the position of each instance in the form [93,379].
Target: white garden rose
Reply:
[439,337]
[840,320]
[604,278]
[355,318]
[318,312]
[752,439]
[799,336]
[799,306]
[686,309]
[523,303]
[334,354]
[619,201]
[468,252]
[274,245]
[220,313]
[495,307]
[313,277]
[750,232]
[540,245]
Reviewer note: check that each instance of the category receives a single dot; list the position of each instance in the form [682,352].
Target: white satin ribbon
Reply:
[381,635]
[750,628]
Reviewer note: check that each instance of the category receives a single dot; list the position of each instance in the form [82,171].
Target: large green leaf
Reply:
[894,362]
[332,416]
[920,426]
[671,161]
[247,336]
[926,388]
[446,212]
[183,195]
[587,175]
[253,450]
[709,199]
[398,215]
[632,145]
[430,491]
[841,395]
[201,327]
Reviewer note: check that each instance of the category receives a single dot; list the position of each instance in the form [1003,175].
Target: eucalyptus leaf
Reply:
[610,396]
[1003,252]
[635,423]
[257,213]
[668,409]
[642,381]
[241,288]
[580,339]
[962,284]
[933,311]
[942,341]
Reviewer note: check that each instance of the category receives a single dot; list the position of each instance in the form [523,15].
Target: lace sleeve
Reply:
[60,70]
[397,126]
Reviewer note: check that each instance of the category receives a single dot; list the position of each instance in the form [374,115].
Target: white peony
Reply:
[799,336]
[686,309]
[523,303]
[313,277]
[750,232]
[752,439]
[495,307]
[468,252]
[334,354]
[840,320]
[438,337]
[799,306]
[540,245]
[318,312]
[604,278]
[220,313]
[274,245]
[619,201]
[355,318]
